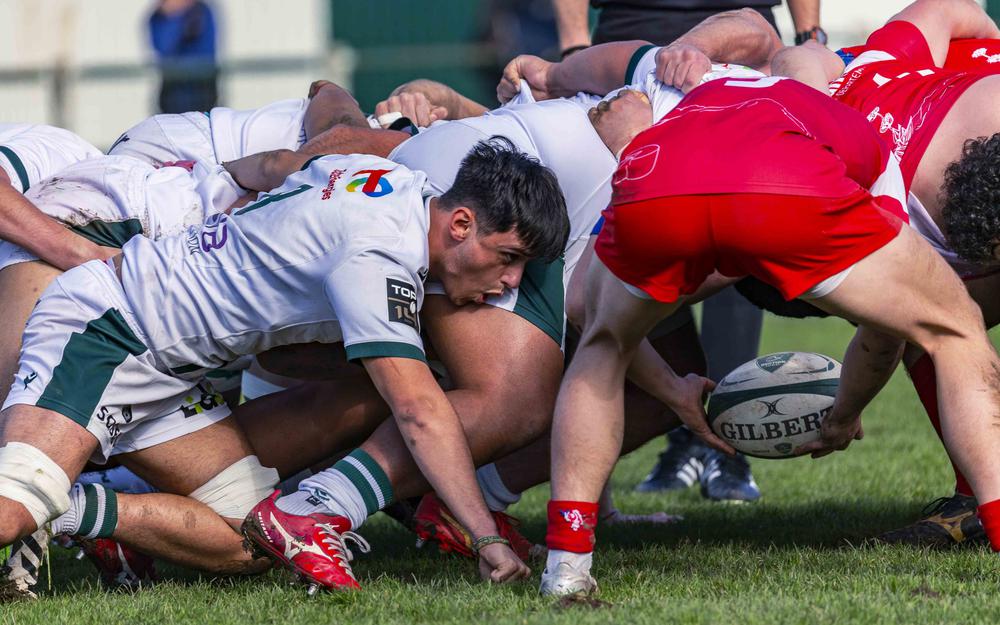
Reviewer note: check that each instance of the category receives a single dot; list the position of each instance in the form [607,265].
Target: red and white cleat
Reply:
[120,567]
[434,523]
[314,547]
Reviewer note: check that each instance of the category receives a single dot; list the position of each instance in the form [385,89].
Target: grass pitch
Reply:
[794,557]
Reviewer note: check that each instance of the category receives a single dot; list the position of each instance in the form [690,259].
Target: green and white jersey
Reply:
[212,138]
[33,152]
[641,76]
[336,254]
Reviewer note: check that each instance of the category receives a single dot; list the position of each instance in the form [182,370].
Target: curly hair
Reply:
[971,207]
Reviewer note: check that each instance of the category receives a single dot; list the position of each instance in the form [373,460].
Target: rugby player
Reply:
[932,100]
[791,208]
[345,221]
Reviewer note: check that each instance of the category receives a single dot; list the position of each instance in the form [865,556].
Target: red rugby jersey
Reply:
[895,84]
[766,135]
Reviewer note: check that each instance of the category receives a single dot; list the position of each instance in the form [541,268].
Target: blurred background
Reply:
[98,67]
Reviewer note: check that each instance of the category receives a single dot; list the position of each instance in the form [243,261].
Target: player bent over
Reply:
[112,349]
[929,93]
[789,207]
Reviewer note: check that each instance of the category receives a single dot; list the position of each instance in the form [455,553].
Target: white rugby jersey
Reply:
[108,196]
[30,153]
[215,137]
[337,253]
[641,76]
[556,132]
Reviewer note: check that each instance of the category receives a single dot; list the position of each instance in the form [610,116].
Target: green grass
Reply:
[795,557]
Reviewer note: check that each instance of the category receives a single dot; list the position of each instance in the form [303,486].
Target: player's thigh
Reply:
[20,287]
[495,352]
[182,464]
[908,290]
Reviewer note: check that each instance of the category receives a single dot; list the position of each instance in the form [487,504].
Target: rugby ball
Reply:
[771,405]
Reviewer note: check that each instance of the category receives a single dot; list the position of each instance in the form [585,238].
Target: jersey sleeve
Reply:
[376,301]
[902,40]
[643,62]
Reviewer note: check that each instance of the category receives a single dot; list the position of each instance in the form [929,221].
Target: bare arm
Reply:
[330,105]
[265,170]
[434,435]
[572,22]
[810,63]
[595,70]
[870,359]
[805,14]
[23,224]
[940,21]
[425,101]
[742,36]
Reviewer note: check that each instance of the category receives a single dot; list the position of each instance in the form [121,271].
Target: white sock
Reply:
[579,561]
[498,497]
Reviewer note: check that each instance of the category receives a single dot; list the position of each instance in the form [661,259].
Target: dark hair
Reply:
[971,209]
[509,190]
[764,296]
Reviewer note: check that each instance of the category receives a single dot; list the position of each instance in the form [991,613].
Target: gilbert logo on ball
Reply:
[771,405]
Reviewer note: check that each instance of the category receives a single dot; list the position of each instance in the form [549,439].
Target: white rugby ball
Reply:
[772,404]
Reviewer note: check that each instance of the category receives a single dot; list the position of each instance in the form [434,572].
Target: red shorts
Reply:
[667,246]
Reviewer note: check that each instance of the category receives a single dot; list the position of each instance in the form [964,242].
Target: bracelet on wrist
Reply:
[570,50]
[485,541]
[816,34]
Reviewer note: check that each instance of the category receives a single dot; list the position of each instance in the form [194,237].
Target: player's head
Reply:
[971,208]
[619,118]
[503,210]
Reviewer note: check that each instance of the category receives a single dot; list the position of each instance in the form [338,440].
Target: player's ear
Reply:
[462,223]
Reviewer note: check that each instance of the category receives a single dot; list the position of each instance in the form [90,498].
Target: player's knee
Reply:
[32,480]
[238,488]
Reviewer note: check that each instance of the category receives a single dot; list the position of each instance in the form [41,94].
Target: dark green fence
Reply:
[398,40]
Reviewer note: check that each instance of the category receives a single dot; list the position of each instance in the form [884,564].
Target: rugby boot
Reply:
[19,574]
[948,521]
[313,547]
[728,478]
[565,580]
[433,522]
[120,566]
[680,464]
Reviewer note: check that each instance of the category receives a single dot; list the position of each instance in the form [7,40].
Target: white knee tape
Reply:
[32,479]
[238,488]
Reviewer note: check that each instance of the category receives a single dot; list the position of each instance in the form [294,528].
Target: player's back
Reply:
[556,132]
[244,283]
[767,135]
[32,152]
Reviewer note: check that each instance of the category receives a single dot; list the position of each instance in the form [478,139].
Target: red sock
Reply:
[571,526]
[989,516]
[925,381]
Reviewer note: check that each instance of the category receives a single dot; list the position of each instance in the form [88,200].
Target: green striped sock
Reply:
[368,477]
[96,511]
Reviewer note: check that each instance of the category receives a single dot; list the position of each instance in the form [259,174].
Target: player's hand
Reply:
[531,69]
[836,434]
[413,105]
[687,400]
[682,66]
[499,564]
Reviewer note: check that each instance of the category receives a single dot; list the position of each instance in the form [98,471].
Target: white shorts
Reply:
[167,138]
[85,357]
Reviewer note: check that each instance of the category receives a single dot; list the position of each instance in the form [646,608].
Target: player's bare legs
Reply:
[20,287]
[174,527]
[942,319]
[63,441]
[590,407]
